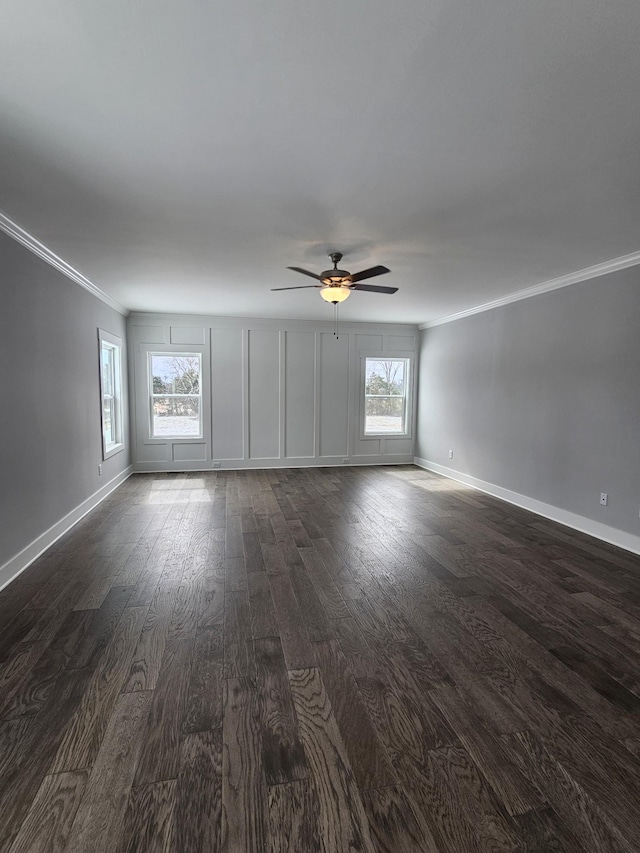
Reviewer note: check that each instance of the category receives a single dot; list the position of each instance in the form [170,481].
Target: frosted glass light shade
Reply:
[335,293]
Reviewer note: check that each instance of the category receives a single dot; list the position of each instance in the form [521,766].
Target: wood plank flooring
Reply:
[320,661]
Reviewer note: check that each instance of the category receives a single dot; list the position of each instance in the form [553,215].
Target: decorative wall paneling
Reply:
[276,393]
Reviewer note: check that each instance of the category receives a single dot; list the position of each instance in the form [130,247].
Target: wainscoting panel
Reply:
[227,378]
[300,390]
[334,395]
[264,394]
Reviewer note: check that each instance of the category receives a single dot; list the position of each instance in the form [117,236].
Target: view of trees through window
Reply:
[175,394]
[111,392]
[108,395]
[385,394]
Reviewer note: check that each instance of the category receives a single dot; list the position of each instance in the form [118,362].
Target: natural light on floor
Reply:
[179,492]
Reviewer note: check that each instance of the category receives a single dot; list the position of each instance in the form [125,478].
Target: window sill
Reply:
[365,435]
[107,453]
[173,439]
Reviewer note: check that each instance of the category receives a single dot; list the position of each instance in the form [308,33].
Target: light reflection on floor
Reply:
[176,485]
[424,480]
[179,492]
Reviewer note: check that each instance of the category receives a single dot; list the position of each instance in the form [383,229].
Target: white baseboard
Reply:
[604,532]
[16,565]
[268,464]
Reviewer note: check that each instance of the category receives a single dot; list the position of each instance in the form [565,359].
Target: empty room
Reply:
[355,569]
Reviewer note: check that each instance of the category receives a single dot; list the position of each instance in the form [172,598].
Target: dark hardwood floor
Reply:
[320,661]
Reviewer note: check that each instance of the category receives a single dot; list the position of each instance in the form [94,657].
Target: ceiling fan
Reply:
[336,285]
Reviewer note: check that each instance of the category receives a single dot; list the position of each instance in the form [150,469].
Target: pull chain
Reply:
[335,320]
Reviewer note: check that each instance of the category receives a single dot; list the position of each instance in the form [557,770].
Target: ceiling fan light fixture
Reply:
[336,285]
[335,293]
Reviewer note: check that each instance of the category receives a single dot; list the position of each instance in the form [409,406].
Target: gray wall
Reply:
[276,392]
[542,397]
[50,431]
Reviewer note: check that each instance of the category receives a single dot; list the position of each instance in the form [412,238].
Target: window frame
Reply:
[107,340]
[199,438]
[408,358]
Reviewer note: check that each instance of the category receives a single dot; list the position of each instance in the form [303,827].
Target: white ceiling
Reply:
[182,154]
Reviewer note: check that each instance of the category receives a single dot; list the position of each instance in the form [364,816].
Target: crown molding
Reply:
[154,318]
[595,271]
[30,242]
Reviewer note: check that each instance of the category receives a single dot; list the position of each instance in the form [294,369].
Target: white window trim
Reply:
[409,359]
[116,343]
[173,439]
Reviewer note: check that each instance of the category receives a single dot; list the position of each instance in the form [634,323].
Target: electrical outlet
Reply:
[604,498]
[99,470]
[451,454]
[217,464]
[345,461]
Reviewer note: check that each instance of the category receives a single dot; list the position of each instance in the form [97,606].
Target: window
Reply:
[175,394]
[111,393]
[386,381]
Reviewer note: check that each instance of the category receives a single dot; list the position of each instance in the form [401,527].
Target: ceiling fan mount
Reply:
[335,277]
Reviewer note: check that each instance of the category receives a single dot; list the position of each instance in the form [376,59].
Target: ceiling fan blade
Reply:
[370,273]
[299,287]
[304,272]
[372,288]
